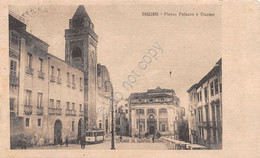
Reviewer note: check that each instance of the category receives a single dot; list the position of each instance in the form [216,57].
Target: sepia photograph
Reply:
[111,77]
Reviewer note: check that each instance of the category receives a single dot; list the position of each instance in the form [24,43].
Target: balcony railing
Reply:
[81,113]
[59,80]
[55,111]
[70,112]
[73,85]
[58,111]
[81,88]
[28,109]
[41,74]
[14,81]
[52,78]
[39,110]
[29,70]
[52,111]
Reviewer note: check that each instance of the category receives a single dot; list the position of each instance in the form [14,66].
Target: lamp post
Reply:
[112,113]
[139,124]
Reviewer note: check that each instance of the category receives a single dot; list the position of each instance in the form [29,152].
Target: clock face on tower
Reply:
[151,117]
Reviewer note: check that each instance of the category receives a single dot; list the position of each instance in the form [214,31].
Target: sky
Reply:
[191,44]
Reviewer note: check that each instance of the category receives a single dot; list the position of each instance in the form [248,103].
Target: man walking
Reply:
[82,142]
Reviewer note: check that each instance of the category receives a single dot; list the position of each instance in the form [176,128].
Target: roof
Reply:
[147,96]
[195,86]
[211,73]
[80,13]
[159,90]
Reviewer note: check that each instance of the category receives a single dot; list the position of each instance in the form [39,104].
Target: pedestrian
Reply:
[153,139]
[23,143]
[82,142]
[60,141]
[120,138]
[67,142]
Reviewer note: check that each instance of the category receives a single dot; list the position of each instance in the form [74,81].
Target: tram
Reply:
[94,136]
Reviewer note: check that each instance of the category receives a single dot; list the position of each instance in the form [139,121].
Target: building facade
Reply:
[205,109]
[122,118]
[157,110]
[103,99]
[52,99]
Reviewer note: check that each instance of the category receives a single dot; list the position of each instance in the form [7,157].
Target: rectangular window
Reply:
[39,122]
[200,96]
[52,70]
[80,81]
[11,103]
[206,93]
[68,105]
[163,127]
[220,88]
[68,77]
[58,104]
[126,111]
[58,73]
[194,112]
[211,89]
[40,64]
[29,60]
[13,68]
[73,106]
[216,86]
[27,122]
[39,100]
[73,79]
[73,128]
[51,103]
[28,97]
[80,107]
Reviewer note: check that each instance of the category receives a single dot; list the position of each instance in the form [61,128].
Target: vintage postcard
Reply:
[133,78]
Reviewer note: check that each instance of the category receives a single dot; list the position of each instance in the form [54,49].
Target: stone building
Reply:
[122,118]
[51,99]
[205,109]
[103,99]
[157,110]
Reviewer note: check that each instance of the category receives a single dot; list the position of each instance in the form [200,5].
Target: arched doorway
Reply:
[151,130]
[57,131]
[80,129]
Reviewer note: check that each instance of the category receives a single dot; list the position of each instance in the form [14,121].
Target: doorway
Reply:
[151,130]
[57,131]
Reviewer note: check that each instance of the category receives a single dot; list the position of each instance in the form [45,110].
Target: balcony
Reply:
[52,78]
[55,111]
[14,81]
[52,111]
[59,80]
[58,111]
[212,124]
[28,109]
[39,110]
[81,113]
[41,74]
[81,88]
[70,112]
[68,84]
[29,70]
[74,85]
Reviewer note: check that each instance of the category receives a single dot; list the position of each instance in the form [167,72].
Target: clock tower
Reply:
[80,51]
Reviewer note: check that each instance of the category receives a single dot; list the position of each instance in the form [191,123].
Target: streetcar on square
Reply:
[94,136]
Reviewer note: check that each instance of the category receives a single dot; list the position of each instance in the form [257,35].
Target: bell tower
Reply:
[80,51]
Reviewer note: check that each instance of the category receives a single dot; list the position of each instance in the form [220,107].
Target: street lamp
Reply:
[112,113]
[139,124]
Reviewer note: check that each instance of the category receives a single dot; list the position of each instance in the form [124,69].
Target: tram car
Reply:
[94,136]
